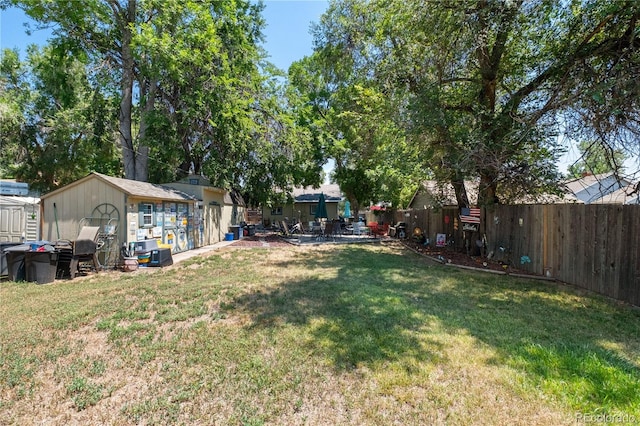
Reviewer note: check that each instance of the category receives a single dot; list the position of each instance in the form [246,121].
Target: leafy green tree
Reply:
[195,94]
[354,125]
[103,31]
[150,47]
[596,159]
[484,87]
[59,128]
[12,93]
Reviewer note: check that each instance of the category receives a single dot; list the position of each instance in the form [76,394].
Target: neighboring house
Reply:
[591,188]
[625,195]
[125,210]
[433,194]
[219,209]
[304,205]
[19,213]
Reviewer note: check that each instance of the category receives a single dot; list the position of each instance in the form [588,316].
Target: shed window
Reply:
[276,211]
[147,214]
[194,181]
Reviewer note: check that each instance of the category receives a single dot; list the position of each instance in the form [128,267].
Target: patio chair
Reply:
[357,228]
[329,231]
[297,229]
[285,229]
[378,229]
[84,250]
[337,228]
[316,230]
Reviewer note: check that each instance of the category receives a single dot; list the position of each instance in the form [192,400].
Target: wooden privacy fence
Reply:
[595,247]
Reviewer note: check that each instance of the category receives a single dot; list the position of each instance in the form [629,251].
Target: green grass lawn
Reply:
[317,336]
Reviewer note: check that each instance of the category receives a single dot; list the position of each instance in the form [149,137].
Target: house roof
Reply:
[229,197]
[443,194]
[133,188]
[603,183]
[625,195]
[309,194]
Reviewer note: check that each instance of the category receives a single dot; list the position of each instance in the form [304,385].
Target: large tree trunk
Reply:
[142,153]
[487,192]
[126,86]
[461,192]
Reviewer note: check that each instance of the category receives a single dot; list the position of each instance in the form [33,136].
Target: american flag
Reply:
[469,215]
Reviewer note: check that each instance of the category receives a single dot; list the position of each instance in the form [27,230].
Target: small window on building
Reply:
[194,181]
[276,211]
[147,214]
[312,209]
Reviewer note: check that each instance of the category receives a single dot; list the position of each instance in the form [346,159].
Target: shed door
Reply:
[12,222]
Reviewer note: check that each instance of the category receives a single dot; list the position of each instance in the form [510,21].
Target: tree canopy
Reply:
[192,90]
[54,126]
[395,92]
[596,159]
[484,88]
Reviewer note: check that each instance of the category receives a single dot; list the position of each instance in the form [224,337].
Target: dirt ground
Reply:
[261,240]
[455,257]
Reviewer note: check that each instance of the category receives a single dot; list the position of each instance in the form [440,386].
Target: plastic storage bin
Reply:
[237,231]
[41,266]
[161,257]
[15,261]
[4,267]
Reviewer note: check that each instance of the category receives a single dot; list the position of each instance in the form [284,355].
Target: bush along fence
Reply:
[595,247]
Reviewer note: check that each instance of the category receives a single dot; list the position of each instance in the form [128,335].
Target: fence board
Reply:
[635,269]
[624,263]
[590,238]
[596,247]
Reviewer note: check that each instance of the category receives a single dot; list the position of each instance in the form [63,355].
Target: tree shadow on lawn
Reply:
[356,319]
[373,305]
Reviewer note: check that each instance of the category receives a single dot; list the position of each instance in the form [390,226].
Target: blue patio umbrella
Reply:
[321,210]
[347,209]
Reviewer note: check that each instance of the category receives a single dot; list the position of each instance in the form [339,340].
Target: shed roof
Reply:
[14,200]
[133,188]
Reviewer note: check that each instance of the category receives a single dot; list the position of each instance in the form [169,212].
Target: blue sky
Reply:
[287,33]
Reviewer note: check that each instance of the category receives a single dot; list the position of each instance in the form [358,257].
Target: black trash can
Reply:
[251,230]
[41,266]
[236,230]
[15,261]
[4,267]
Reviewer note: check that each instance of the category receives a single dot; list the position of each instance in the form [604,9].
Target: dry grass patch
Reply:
[316,336]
